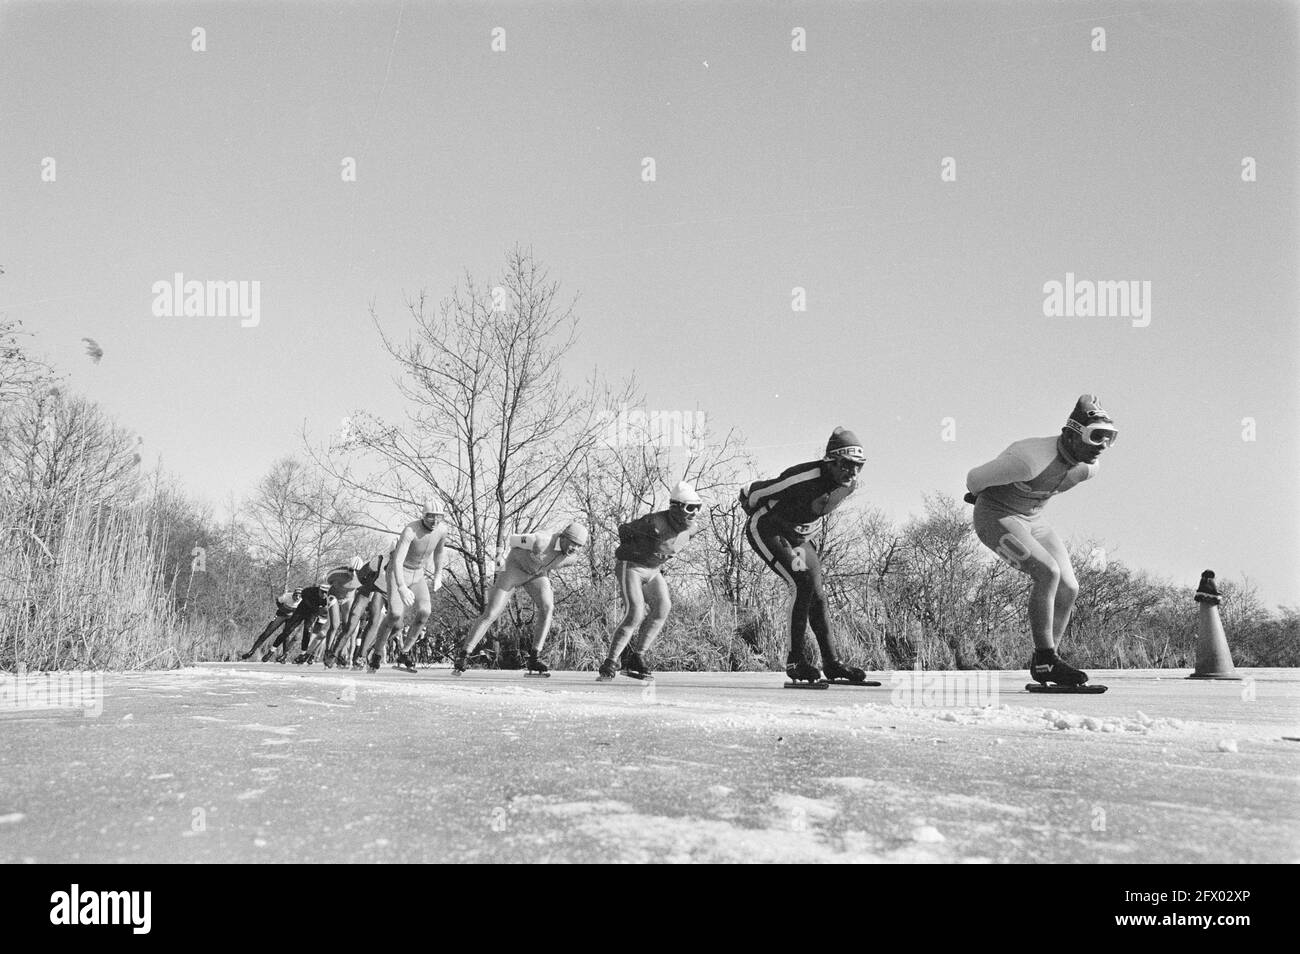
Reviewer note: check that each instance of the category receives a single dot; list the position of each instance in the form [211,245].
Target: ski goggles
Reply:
[1096,435]
[847,463]
[688,507]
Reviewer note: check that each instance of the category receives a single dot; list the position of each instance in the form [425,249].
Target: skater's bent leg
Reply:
[817,615]
[377,618]
[497,600]
[284,642]
[420,613]
[801,602]
[543,610]
[308,630]
[335,644]
[658,603]
[266,633]
[1067,589]
[779,554]
[346,642]
[629,588]
[1011,537]
[776,552]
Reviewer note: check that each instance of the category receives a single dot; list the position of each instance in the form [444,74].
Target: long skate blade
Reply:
[404,669]
[643,676]
[1085,689]
[537,675]
[848,682]
[819,684]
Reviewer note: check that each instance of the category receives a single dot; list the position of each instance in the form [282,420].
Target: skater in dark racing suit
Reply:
[783,514]
[644,546]
[1009,493]
[285,604]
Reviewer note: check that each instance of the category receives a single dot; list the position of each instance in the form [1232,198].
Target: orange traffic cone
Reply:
[1213,661]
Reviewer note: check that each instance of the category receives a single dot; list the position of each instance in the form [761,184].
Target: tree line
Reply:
[108,565]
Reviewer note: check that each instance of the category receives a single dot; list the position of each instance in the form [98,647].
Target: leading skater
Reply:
[1009,493]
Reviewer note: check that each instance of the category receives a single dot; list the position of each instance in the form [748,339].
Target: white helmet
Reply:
[356,563]
[433,504]
[577,533]
[684,493]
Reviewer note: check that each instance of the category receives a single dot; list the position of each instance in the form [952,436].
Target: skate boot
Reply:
[636,667]
[804,676]
[244,657]
[1047,667]
[458,663]
[404,661]
[608,670]
[535,667]
[1051,674]
[843,675]
[328,661]
[268,655]
[372,663]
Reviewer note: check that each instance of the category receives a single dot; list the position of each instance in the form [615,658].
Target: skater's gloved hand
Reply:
[437,582]
[407,596]
[797,562]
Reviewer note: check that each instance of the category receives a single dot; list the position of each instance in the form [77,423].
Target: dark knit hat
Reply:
[844,443]
[1088,410]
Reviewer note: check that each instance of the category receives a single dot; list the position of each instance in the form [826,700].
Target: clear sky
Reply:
[775,168]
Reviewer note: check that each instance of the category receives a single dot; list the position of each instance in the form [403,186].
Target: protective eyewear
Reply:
[1096,435]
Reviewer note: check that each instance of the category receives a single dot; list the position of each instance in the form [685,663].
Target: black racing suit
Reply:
[783,513]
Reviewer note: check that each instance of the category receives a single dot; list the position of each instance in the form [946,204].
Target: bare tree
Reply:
[297,521]
[493,425]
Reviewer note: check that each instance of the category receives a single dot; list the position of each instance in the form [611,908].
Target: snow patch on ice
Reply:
[976,803]
[573,809]
[854,784]
[273,729]
[797,808]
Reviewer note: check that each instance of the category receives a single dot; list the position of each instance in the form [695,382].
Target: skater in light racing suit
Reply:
[1009,493]
[531,559]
